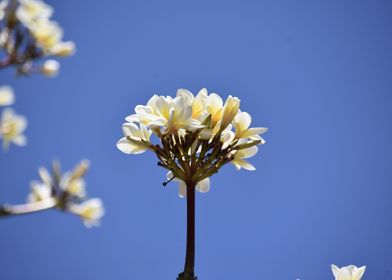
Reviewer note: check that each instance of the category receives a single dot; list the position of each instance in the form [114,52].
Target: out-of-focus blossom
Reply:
[68,191]
[91,211]
[12,127]
[195,134]
[7,96]
[50,68]
[350,272]
[29,34]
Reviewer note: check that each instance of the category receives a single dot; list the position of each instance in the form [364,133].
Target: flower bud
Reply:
[50,68]
[230,110]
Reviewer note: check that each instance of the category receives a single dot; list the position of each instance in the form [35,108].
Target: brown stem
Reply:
[188,273]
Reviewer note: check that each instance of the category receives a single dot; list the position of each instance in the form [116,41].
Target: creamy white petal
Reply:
[241,163]
[227,137]
[247,153]
[182,189]
[203,186]
[335,270]
[129,148]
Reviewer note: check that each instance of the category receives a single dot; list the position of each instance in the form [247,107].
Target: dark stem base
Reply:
[186,276]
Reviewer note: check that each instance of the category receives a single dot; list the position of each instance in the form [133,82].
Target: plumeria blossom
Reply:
[27,34]
[12,127]
[7,96]
[67,192]
[197,135]
[350,272]
[91,211]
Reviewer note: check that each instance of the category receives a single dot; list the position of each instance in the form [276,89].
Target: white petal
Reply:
[182,189]
[358,273]
[247,153]
[186,95]
[131,130]
[215,103]
[253,131]
[344,274]
[335,270]
[129,148]
[20,140]
[203,186]
[242,121]
[227,138]
[241,163]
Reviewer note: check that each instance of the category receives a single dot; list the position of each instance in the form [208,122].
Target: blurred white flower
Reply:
[7,96]
[50,68]
[91,211]
[12,127]
[67,192]
[29,22]
[30,11]
[350,272]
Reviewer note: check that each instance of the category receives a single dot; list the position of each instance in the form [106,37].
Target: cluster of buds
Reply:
[197,135]
[66,192]
[28,34]
[12,125]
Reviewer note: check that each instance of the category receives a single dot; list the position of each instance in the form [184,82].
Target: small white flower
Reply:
[241,124]
[350,272]
[50,68]
[135,137]
[7,96]
[240,156]
[12,127]
[91,211]
[203,186]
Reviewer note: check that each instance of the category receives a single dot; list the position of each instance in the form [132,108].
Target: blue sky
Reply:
[317,73]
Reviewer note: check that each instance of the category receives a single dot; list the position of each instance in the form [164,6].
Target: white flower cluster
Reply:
[27,33]
[12,125]
[68,191]
[198,135]
[350,272]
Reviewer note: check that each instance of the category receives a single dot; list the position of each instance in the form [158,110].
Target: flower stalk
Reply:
[189,267]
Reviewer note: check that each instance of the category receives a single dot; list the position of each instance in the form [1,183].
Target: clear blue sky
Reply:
[317,73]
